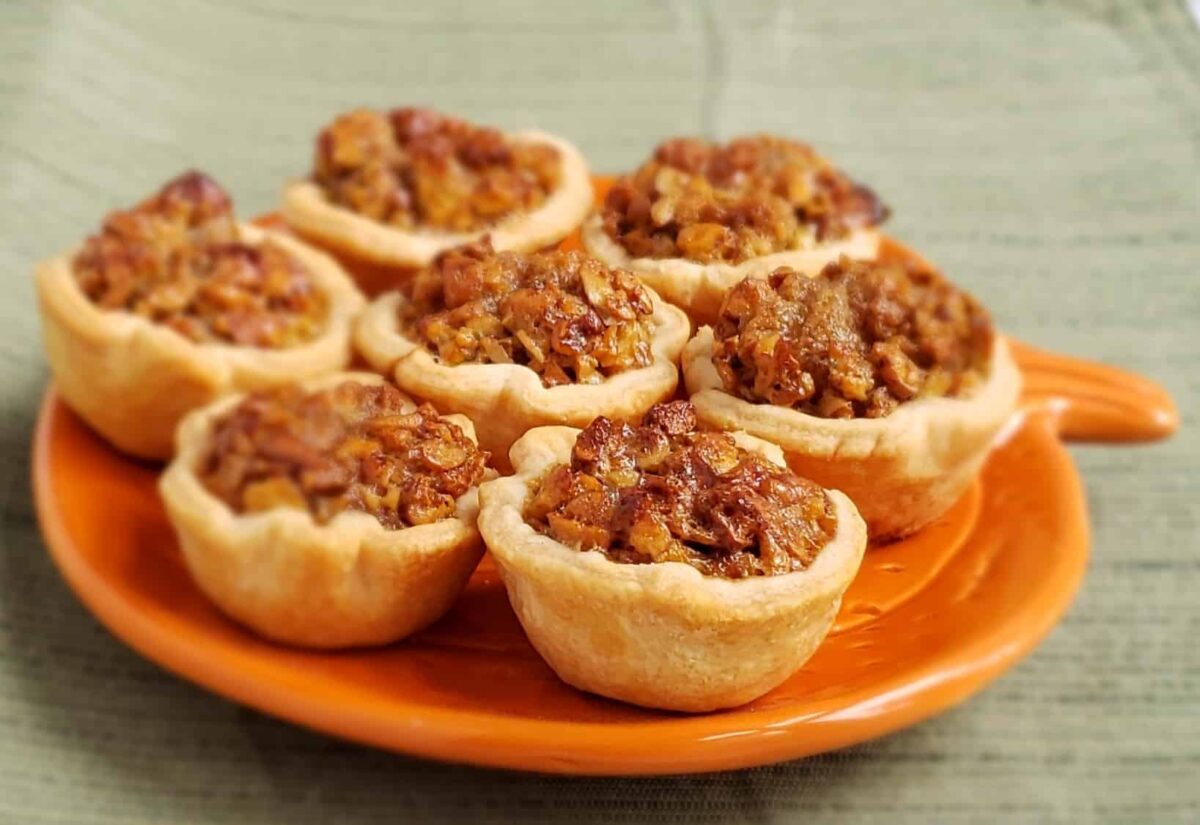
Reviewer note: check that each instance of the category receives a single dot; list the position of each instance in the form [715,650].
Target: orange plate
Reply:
[927,622]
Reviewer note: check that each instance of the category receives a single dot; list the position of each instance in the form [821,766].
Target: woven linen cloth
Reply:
[1044,153]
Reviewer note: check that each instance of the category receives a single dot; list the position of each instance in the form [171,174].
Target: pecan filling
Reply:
[176,259]
[853,342]
[417,168]
[352,447]
[753,196]
[663,491]
[566,316]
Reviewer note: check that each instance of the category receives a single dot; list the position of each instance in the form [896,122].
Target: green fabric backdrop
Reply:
[1045,153]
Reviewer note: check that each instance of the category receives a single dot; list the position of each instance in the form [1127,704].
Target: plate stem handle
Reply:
[1092,401]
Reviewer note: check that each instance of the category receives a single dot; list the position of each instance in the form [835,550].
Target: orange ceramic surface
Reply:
[928,621]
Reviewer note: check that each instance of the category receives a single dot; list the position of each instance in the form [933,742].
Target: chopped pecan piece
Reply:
[352,447]
[754,196]
[855,341]
[664,491]
[414,168]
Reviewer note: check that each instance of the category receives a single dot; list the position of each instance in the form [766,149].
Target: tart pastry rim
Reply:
[909,428]
[698,287]
[64,299]
[670,583]
[349,528]
[378,338]
[306,208]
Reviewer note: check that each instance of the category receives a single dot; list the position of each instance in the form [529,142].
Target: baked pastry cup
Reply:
[347,582]
[309,210]
[903,469]
[745,182]
[132,379]
[506,399]
[660,634]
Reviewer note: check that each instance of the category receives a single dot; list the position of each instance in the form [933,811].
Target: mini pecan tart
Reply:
[173,303]
[330,513]
[665,566]
[882,380]
[398,188]
[698,217]
[517,340]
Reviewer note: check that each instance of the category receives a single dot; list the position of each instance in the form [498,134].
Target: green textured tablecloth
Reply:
[1046,153]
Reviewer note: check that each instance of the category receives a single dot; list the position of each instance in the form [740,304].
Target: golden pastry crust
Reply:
[132,380]
[903,470]
[699,288]
[660,635]
[349,582]
[307,209]
[505,400]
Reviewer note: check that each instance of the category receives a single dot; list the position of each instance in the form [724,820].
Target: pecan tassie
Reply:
[727,203]
[855,341]
[413,168]
[177,260]
[353,447]
[663,491]
[565,315]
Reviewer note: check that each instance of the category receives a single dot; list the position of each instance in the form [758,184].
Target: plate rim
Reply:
[469,736]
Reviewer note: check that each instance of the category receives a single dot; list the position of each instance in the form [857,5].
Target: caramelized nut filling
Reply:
[566,316]
[414,168]
[352,447]
[753,196]
[177,260]
[663,491]
[853,342]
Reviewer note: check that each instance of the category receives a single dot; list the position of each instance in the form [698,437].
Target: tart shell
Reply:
[308,211]
[347,583]
[903,470]
[505,400]
[659,635]
[132,380]
[699,288]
